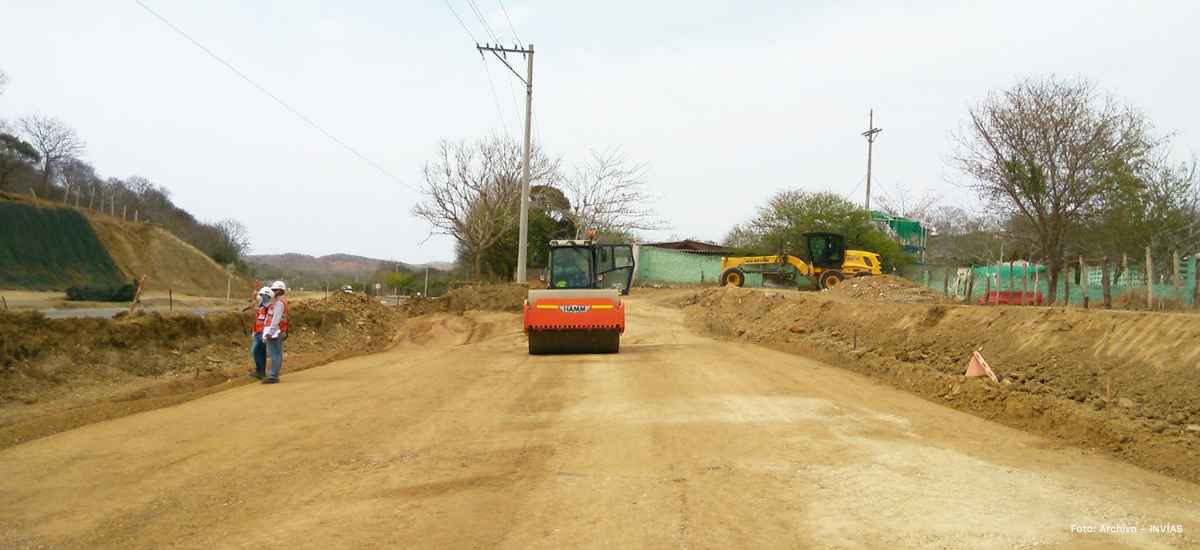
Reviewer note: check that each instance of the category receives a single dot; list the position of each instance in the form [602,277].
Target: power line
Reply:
[510,25]
[460,22]
[277,100]
[499,111]
[483,20]
[513,93]
[860,182]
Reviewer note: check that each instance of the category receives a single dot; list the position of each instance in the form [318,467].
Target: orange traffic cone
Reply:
[978,368]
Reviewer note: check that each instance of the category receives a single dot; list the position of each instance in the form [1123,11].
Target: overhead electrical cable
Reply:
[483,21]
[277,100]
[510,25]
[503,123]
[460,22]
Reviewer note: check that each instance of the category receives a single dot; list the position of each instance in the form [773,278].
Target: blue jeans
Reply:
[259,352]
[275,350]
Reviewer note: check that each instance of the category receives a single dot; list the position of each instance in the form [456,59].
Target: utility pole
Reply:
[870,135]
[523,239]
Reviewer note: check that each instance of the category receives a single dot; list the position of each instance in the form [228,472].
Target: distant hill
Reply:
[333,267]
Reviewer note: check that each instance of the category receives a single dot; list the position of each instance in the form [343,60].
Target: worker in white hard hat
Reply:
[275,332]
[259,350]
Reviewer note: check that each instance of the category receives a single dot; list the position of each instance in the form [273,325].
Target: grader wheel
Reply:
[733,276]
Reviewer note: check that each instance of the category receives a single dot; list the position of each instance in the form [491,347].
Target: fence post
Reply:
[970,284]
[946,282]
[1066,283]
[1084,280]
[1149,280]
[1178,303]
[987,292]
[1025,284]
[1106,284]
[1037,280]
[1125,268]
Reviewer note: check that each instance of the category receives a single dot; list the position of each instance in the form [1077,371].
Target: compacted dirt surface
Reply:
[455,437]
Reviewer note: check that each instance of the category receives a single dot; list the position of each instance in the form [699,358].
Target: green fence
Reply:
[51,249]
[1126,284]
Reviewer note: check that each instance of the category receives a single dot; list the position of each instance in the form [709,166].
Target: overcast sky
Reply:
[726,102]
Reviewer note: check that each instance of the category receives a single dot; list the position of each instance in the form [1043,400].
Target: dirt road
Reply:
[459,439]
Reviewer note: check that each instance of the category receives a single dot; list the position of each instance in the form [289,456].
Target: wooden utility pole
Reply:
[523,235]
[870,135]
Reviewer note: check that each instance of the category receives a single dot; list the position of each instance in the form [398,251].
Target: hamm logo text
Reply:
[574,309]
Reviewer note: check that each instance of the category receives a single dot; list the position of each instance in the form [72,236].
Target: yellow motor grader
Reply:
[828,263]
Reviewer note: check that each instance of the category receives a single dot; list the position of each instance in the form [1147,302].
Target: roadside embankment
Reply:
[1126,383]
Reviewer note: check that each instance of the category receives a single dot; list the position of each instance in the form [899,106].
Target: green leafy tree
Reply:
[404,283]
[789,214]
[16,157]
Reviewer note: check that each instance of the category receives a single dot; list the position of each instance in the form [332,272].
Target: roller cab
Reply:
[581,311]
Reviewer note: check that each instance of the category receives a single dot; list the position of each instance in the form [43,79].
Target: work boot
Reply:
[258,375]
[270,381]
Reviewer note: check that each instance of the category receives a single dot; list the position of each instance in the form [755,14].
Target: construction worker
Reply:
[259,350]
[275,331]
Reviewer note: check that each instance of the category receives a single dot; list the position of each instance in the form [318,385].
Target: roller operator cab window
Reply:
[569,268]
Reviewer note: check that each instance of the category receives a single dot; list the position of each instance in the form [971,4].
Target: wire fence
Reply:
[1164,285]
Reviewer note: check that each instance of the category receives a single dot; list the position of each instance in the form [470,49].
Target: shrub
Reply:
[123,293]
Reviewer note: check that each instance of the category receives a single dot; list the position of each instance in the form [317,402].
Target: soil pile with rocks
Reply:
[888,288]
[478,297]
[1090,377]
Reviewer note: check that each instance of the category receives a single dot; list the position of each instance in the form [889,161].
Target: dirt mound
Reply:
[480,297]
[1095,378]
[168,262]
[888,288]
[444,329]
[52,367]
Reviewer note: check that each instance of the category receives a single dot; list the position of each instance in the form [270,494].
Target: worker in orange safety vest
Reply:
[259,350]
[275,331]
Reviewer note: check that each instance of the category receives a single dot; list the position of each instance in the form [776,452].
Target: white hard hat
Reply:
[265,291]
[278,285]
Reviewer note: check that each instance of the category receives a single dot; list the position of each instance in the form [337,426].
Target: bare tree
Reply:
[3,82]
[77,175]
[610,196]
[473,192]
[56,141]
[1046,150]
[910,205]
[237,234]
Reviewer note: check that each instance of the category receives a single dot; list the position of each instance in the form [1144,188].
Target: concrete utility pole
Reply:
[870,135]
[523,239]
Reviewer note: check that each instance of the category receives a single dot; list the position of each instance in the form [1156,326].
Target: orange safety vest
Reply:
[284,320]
[260,322]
